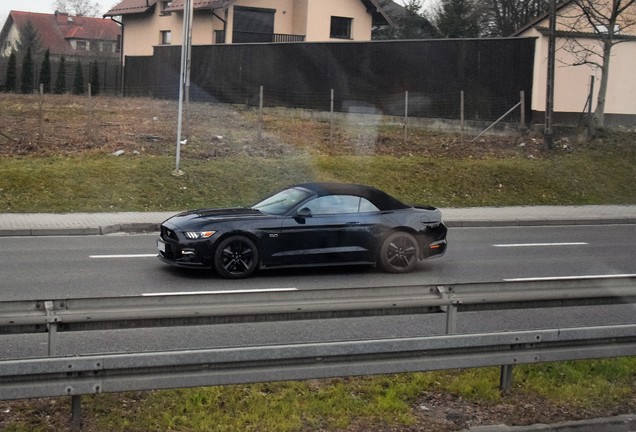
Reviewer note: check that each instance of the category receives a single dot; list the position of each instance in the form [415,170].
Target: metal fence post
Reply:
[522,123]
[260,114]
[461,114]
[406,115]
[89,116]
[331,118]
[40,111]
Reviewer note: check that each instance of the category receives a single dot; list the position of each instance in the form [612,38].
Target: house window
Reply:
[340,27]
[107,47]
[253,24]
[605,30]
[164,5]
[81,45]
[219,36]
[166,37]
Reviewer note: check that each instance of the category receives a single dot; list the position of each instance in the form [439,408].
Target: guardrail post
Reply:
[451,319]
[51,327]
[76,400]
[76,412]
[505,380]
[451,309]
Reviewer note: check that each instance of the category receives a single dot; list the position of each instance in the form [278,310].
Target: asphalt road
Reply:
[116,265]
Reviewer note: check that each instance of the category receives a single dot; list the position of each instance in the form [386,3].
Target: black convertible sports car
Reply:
[310,224]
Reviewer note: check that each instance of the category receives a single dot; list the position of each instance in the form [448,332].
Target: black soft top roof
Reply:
[380,199]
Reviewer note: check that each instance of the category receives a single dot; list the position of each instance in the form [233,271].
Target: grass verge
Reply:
[405,402]
[104,183]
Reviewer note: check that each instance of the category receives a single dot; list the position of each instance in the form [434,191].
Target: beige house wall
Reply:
[311,18]
[319,19]
[572,83]
[142,33]
[301,8]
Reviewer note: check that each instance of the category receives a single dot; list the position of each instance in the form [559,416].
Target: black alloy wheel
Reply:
[399,253]
[236,257]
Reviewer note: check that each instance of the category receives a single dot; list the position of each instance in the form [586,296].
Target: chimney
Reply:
[62,18]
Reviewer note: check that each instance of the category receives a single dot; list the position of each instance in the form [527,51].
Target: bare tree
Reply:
[593,28]
[504,17]
[87,8]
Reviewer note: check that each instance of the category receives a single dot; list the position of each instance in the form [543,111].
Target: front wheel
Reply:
[399,253]
[236,257]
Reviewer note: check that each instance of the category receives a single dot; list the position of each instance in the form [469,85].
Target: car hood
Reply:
[193,218]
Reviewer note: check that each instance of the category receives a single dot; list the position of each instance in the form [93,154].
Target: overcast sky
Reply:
[44,6]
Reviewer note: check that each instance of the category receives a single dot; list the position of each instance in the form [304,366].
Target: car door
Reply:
[327,230]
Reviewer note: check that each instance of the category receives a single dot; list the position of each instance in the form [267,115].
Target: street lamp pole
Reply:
[184,76]
[549,101]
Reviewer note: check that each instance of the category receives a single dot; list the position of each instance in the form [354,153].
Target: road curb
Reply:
[73,224]
[131,228]
[536,222]
[622,423]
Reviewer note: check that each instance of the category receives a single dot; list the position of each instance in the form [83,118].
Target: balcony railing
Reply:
[253,37]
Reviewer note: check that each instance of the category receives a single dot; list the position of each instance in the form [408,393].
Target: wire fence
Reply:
[459,105]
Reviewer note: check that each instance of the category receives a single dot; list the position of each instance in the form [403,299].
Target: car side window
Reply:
[367,206]
[338,204]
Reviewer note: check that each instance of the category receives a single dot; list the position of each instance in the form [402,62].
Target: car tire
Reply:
[399,253]
[236,257]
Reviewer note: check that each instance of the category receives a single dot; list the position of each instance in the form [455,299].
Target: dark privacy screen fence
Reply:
[367,77]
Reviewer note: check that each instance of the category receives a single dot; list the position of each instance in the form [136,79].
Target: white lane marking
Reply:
[123,256]
[614,276]
[540,244]
[182,293]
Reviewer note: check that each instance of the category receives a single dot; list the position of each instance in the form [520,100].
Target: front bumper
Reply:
[435,249]
[184,255]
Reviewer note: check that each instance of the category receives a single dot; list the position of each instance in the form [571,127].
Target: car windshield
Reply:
[283,201]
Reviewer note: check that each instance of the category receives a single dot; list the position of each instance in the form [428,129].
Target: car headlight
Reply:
[197,235]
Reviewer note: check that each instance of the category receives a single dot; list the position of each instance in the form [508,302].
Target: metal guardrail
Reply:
[60,375]
[81,314]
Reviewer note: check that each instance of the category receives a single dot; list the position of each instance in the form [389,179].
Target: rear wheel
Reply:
[399,253]
[236,257]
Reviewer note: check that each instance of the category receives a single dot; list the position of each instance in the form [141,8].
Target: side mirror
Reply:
[304,213]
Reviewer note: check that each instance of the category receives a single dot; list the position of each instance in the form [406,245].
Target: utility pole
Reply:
[184,76]
[549,100]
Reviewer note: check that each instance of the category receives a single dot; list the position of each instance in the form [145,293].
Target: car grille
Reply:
[168,234]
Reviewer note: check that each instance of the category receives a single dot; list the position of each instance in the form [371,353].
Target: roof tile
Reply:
[131,7]
[56,30]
